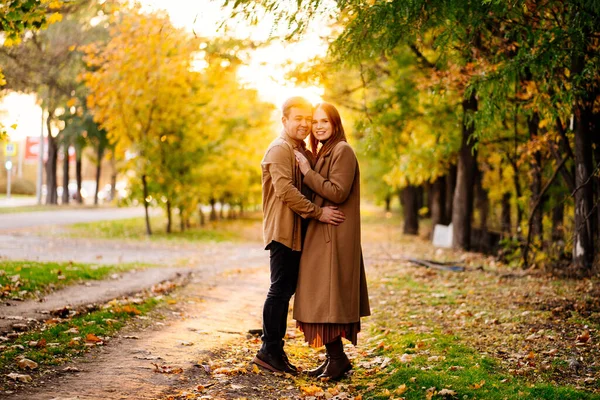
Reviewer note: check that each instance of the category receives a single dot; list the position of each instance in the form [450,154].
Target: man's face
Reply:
[297,124]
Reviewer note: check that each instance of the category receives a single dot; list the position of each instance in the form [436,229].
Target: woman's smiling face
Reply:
[321,126]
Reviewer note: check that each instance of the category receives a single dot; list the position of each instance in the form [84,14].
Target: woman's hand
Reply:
[302,162]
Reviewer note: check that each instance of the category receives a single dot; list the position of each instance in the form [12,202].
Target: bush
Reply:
[19,186]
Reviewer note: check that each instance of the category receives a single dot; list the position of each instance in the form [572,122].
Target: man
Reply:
[285,208]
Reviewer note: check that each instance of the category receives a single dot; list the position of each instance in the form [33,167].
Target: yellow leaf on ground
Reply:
[401,389]
[311,390]
[92,338]
[477,385]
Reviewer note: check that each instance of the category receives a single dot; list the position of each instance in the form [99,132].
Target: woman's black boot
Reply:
[338,363]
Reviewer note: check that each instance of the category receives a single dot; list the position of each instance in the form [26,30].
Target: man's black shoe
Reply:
[289,364]
[273,362]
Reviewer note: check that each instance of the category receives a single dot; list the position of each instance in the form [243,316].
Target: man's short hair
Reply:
[295,101]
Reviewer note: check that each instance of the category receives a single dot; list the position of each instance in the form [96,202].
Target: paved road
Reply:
[17,201]
[65,217]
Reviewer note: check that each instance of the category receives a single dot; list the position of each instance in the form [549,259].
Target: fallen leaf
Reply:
[447,392]
[400,389]
[477,385]
[166,369]
[584,337]
[406,358]
[91,338]
[311,390]
[19,377]
[25,363]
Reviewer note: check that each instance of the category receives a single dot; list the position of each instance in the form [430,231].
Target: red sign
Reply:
[32,148]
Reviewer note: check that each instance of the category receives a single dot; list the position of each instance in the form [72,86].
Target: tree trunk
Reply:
[462,207]
[51,195]
[65,193]
[438,201]
[202,218]
[583,235]
[100,155]
[517,185]
[388,202]
[221,211]
[558,215]
[535,185]
[583,239]
[169,216]
[596,139]
[181,221]
[113,177]
[409,197]
[483,202]
[420,197]
[450,188]
[505,219]
[241,209]
[146,205]
[78,174]
[213,211]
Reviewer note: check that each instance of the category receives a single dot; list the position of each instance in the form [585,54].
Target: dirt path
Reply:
[210,312]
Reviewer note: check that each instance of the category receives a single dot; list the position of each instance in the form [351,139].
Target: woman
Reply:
[331,295]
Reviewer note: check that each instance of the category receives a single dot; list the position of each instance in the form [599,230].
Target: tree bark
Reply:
[583,239]
[202,218]
[146,205]
[558,215]
[410,207]
[213,211]
[51,194]
[65,193]
[450,188]
[388,202]
[169,216]
[438,202]
[462,207]
[100,155]
[535,185]
[78,175]
[505,219]
[483,202]
[583,235]
[113,177]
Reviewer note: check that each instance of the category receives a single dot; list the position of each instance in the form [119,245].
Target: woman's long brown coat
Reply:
[332,286]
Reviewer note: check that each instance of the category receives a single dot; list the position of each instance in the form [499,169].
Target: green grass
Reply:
[27,279]
[135,228]
[462,371]
[53,345]
[460,366]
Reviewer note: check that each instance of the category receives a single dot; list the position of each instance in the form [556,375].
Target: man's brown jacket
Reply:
[283,203]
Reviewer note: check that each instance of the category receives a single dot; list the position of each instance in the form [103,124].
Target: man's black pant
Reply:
[284,277]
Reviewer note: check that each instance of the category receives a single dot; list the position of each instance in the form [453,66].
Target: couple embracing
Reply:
[311,205]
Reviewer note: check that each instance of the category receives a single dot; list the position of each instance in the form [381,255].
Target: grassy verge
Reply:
[135,228]
[30,279]
[60,340]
